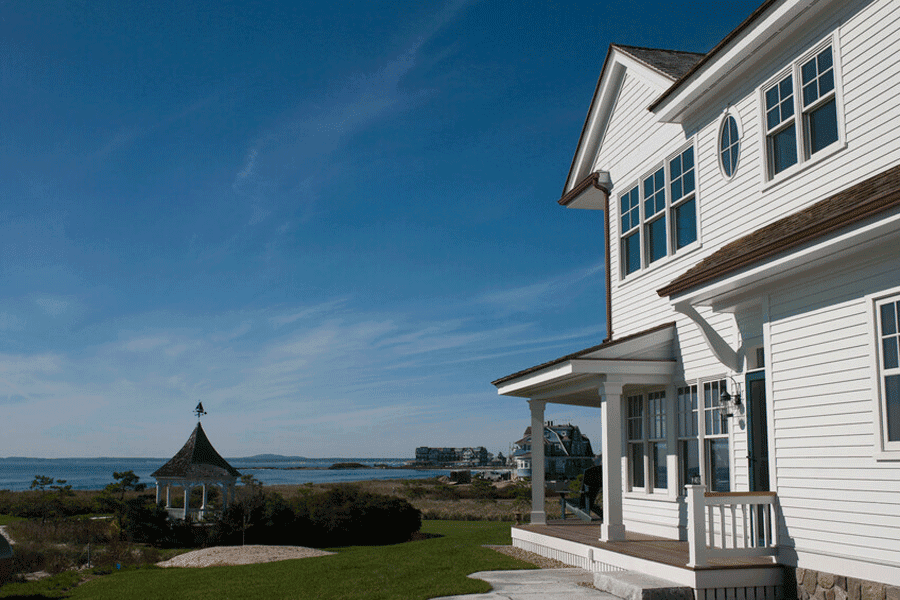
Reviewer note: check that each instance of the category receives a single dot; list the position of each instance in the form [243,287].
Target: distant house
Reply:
[460,457]
[749,383]
[567,452]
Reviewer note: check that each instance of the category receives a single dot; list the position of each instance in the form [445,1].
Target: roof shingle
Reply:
[673,63]
[197,459]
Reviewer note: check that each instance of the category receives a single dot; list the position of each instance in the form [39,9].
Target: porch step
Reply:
[632,585]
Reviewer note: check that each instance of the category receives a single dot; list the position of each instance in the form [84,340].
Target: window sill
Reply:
[684,252]
[886,455]
[656,495]
[795,170]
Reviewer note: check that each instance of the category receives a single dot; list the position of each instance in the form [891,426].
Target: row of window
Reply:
[659,214]
[698,426]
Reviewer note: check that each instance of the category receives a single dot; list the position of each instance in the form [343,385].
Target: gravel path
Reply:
[240,555]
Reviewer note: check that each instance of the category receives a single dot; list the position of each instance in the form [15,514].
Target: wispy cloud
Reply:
[537,296]
[52,306]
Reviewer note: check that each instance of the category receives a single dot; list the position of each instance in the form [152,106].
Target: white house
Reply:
[567,452]
[751,203]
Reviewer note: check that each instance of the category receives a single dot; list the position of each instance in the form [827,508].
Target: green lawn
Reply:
[416,570]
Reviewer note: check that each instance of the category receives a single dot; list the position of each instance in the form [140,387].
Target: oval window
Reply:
[729,146]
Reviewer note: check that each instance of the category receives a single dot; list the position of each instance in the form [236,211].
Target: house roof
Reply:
[197,459]
[704,59]
[852,205]
[673,63]
[580,353]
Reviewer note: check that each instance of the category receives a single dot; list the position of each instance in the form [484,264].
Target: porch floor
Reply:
[648,547]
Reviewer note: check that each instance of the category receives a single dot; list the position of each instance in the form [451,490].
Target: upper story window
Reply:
[662,210]
[801,112]
[729,145]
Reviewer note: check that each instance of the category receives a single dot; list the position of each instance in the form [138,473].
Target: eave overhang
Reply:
[865,240]
[859,218]
[592,192]
[574,378]
[737,55]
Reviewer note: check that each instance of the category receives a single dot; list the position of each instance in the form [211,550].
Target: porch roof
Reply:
[647,355]
[867,200]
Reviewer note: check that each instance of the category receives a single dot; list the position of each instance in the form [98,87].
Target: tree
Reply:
[50,503]
[114,496]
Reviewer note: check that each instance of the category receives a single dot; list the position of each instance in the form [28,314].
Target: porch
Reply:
[577,543]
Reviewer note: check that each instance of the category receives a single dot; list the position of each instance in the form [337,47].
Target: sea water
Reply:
[17,473]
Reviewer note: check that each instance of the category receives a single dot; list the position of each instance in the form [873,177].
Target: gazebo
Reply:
[196,464]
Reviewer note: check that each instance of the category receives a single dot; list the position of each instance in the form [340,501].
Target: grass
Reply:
[427,568]
[7,519]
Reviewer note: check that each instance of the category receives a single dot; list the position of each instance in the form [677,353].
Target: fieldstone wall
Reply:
[815,585]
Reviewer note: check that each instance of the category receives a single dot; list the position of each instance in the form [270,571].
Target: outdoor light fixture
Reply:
[731,404]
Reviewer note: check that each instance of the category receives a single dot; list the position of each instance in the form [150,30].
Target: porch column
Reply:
[168,495]
[157,492]
[538,515]
[611,413]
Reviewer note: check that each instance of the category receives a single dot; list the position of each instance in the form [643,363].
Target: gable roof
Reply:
[704,59]
[197,458]
[857,203]
[673,63]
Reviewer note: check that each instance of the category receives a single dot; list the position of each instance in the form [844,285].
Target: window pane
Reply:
[719,472]
[888,318]
[656,239]
[892,406]
[631,249]
[631,208]
[690,461]
[783,149]
[660,471]
[654,194]
[889,352]
[637,465]
[822,124]
[685,224]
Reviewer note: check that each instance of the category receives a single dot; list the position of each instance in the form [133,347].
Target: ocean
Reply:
[17,473]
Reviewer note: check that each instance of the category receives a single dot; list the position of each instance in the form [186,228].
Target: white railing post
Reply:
[696,506]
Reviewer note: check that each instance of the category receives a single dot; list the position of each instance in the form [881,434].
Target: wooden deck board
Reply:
[648,547]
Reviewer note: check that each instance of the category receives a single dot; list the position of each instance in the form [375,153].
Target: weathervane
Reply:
[199,410]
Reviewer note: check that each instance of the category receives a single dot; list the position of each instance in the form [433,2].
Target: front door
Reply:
[758,431]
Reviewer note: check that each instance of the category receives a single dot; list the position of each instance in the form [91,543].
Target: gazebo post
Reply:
[203,504]
[187,498]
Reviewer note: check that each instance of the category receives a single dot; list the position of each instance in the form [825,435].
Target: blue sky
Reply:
[333,223]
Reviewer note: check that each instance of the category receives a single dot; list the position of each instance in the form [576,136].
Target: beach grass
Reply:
[427,568]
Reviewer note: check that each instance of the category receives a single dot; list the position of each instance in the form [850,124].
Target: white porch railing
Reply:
[730,524]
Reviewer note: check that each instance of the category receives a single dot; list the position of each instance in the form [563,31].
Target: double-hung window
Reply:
[647,448]
[801,112]
[661,209]
[635,431]
[716,453]
[656,439]
[688,444]
[888,327]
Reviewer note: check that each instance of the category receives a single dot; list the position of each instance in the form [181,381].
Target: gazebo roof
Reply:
[197,459]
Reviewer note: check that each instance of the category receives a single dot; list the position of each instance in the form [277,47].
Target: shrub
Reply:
[346,515]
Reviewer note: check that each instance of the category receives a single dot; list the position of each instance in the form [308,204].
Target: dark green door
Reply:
[758,432]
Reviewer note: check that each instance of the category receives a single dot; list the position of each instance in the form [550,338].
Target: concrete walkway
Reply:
[538,584]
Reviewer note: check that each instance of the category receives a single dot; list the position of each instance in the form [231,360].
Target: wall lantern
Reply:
[731,404]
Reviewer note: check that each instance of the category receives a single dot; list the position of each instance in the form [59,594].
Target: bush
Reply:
[346,515]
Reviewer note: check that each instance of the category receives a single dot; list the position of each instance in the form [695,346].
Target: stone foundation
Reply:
[815,585]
